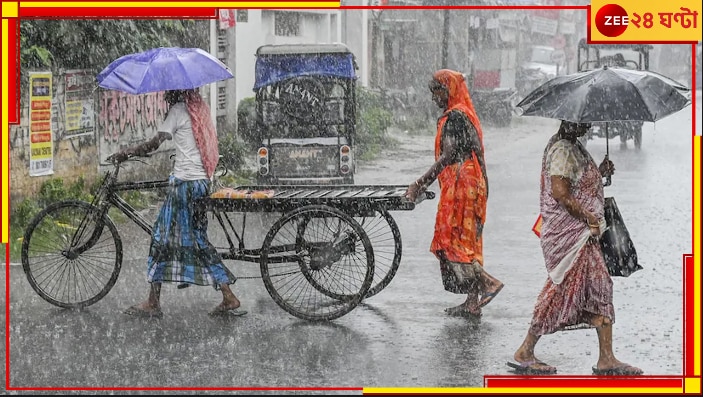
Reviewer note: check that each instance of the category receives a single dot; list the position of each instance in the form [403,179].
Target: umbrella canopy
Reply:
[163,69]
[607,94]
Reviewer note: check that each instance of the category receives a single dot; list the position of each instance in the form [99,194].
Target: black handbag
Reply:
[618,250]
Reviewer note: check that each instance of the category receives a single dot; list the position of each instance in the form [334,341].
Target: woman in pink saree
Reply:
[578,292]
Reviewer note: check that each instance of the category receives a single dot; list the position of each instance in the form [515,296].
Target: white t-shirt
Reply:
[188,165]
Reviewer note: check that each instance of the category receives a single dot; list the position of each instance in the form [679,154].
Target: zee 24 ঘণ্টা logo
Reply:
[633,20]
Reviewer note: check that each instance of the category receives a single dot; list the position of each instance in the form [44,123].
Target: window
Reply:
[286,23]
[221,98]
[242,15]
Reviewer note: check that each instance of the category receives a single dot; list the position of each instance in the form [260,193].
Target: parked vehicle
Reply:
[306,114]
[548,60]
[494,67]
[629,56]
[528,79]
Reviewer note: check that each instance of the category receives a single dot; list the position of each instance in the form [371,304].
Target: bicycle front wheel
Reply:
[71,255]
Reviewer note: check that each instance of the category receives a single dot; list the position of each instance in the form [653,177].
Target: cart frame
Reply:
[317,261]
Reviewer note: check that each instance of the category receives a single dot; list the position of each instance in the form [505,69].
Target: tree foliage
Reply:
[92,44]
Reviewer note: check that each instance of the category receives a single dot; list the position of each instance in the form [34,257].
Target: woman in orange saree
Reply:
[460,170]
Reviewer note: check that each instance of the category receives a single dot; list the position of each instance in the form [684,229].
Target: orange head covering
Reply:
[459,98]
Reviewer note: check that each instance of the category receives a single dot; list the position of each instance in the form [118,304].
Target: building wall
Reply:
[120,120]
[353,28]
[73,156]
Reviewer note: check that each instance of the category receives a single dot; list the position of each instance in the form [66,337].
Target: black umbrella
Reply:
[607,94]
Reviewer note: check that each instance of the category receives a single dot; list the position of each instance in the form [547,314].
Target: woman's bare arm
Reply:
[448,148]
[417,187]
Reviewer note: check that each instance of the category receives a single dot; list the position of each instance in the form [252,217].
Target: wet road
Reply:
[400,337]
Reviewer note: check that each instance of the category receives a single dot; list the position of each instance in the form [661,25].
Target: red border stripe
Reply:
[13,74]
[689,315]
[117,12]
[583,382]
[505,381]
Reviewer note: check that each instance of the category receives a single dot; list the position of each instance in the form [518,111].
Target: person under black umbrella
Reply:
[578,292]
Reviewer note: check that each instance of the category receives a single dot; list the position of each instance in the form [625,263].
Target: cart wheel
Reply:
[317,263]
[71,275]
[384,235]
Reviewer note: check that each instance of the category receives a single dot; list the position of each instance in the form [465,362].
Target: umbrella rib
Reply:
[185,73]
[141,80]
[663,104]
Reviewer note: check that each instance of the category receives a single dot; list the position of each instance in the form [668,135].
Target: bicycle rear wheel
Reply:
[70,255]
[317,263]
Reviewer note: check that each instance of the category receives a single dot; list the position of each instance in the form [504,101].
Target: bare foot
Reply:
[148,306]
[522,356]
[463,311]
[490,293]
[616,367]
[144,310]
[228,307]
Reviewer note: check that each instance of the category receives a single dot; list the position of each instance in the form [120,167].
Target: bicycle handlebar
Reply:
[117,163]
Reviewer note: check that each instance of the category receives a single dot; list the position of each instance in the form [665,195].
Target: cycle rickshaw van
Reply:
[305,114]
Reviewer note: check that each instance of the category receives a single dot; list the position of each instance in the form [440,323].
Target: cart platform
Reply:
[356,200]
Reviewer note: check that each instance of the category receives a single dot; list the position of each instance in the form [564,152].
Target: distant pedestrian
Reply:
[460,170]
[578,292]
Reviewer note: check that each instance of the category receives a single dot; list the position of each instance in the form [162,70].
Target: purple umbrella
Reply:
[163,69]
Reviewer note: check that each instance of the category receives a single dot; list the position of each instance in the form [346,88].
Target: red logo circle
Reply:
[612,20]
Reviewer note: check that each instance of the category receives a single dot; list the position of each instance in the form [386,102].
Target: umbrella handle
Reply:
[608,179]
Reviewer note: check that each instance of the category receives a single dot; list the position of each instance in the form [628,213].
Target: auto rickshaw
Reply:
[305,114]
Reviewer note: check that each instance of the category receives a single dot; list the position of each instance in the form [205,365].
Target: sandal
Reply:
[623,369]
[220,311]
[532,367]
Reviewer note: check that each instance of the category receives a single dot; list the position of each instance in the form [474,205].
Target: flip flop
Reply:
[534,367]
[487,298]
[625,369]
[134,311]
[219,312]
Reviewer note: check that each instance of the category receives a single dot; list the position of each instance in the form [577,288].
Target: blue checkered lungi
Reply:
[180,251]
